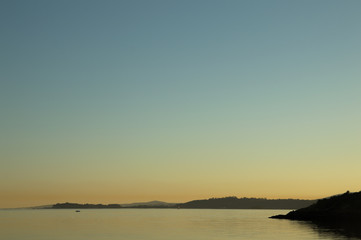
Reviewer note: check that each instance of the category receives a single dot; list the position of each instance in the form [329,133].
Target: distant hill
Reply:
[212,203]
[42,207]
[152,204]
[344,207]
[149,204]
[247,203]
[83,206]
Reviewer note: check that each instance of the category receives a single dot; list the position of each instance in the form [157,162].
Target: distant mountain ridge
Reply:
[151,204]
[212,203]
[247,203]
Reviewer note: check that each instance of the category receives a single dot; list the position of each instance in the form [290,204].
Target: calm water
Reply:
[149,224]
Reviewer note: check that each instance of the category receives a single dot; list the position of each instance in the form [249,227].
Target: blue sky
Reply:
[259,86]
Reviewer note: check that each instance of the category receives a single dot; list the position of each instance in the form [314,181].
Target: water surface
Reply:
[157,224]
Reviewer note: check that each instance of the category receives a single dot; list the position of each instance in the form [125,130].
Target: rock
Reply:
[344,207]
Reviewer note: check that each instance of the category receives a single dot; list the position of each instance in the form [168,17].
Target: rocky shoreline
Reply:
[338,208]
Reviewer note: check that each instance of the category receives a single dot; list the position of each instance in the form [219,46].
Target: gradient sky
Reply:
[122,101]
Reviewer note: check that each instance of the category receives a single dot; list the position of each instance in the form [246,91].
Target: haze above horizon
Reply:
[129,101]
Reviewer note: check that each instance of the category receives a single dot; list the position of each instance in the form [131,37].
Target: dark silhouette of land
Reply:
[157,204]
[67,205]
[247,203]
[87,206]
[152,204]
[337,209]
[212,203]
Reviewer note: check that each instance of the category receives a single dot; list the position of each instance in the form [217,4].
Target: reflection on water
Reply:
[158,224]
[336,230]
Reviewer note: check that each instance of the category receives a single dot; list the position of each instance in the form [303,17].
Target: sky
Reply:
[126,101]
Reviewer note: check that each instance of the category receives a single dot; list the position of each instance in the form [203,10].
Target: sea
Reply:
[161,224]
